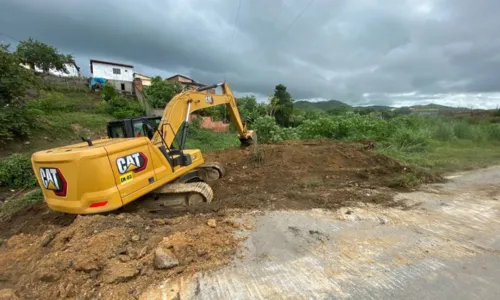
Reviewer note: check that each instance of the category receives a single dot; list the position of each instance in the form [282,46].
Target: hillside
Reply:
[322,105]
[439,107]
[60,118]
[377,107]
[335,104]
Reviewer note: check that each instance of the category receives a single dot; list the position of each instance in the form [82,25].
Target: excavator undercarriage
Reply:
[191,189]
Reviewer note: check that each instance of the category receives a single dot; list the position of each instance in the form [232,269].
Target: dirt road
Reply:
[444,244]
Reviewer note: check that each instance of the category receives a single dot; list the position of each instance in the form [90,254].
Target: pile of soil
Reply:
[306,174]
[112,256]
[49,255]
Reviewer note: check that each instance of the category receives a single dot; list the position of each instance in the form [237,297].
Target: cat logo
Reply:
[135,162]
[53,180]
[209,99]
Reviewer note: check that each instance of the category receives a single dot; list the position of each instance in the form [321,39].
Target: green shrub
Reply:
[109,92]
[326,127]
[443,131]
[121,108]
[347,126]
[494,132]
[267,130]
[16,171]
[410,140]
[463,130]
[160,92]
[15,121]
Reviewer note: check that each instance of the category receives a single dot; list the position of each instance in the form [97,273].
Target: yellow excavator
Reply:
[106,174]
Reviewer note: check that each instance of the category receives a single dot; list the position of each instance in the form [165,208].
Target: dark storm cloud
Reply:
[361,52]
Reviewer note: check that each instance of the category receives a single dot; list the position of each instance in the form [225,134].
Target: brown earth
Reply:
[49,255]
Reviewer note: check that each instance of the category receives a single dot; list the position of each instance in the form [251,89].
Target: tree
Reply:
[160,92]
[284,109]
[249,109]
[273,106]
[14,79]
[39,55]
[14,83]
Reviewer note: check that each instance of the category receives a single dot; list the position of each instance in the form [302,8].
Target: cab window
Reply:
[117,131]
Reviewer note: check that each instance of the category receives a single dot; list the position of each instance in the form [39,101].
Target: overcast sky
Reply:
[362,52]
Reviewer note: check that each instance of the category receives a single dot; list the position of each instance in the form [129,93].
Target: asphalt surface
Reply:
[446,246]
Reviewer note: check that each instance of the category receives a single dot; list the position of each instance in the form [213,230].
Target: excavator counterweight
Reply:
[106,174]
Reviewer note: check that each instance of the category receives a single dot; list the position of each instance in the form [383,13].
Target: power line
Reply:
[290,26]
[234,29]
[283,5]
[10,37]
[299,15]
[235,22]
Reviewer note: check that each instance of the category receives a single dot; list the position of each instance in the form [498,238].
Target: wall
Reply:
[215,126]
[138,91]
[106,71]
[72,71]
[146,81]
[65,83]
[128,85]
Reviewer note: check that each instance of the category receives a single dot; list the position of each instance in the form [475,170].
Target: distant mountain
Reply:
[377,107]
[438,106]
[322,105]
[335,104]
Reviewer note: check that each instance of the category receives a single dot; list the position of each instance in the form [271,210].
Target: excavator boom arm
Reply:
[177,113]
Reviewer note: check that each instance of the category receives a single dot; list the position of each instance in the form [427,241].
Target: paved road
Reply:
[446,246]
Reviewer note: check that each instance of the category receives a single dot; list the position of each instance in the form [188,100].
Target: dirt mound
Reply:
[48,255]
[304,175]
[111,256]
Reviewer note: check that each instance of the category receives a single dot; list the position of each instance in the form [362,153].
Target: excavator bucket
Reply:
[249,139]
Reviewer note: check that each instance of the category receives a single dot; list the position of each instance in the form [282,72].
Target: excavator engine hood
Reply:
[77,178]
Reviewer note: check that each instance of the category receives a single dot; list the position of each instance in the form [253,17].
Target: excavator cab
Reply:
[136,127]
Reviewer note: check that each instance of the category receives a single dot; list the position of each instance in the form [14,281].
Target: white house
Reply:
[73,70]
[120,75]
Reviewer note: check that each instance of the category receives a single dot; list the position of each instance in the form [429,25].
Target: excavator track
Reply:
[190,189]
[176,195]
[214,171]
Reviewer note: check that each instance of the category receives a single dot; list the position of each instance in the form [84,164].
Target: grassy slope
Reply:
[58,127]
[451,156]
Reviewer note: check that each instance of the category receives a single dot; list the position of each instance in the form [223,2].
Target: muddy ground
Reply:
[48,255]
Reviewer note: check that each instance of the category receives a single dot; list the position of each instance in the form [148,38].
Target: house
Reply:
[188,83]
[146,80]
[73,70]
[118,74]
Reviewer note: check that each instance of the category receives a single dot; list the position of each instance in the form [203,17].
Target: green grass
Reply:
[448,156]
[206,140]
[58,129]
[12,206]
[68,122]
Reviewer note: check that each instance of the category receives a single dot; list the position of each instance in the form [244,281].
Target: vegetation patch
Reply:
[11,206]
[17,172]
